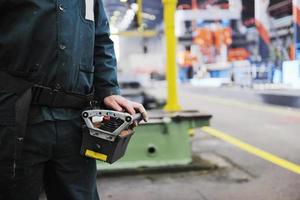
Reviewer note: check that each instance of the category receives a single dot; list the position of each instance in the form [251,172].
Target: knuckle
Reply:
[138,105]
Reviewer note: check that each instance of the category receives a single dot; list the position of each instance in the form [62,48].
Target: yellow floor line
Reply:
[253,150]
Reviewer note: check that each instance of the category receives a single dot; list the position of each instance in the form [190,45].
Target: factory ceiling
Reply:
[122,13]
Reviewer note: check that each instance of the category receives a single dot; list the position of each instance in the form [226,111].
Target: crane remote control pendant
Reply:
[106,134]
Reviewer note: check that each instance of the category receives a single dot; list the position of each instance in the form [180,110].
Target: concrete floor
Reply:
[242,176]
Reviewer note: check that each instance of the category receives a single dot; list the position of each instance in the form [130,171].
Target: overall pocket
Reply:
[87,32]
[87,10]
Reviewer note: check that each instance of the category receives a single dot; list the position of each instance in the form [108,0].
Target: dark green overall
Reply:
[59,44]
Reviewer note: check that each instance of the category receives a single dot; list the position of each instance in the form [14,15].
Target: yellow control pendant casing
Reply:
[93,154]
[106,133]
[105,150]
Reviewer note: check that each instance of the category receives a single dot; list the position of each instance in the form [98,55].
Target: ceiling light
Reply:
[148,16]
[117,13]
[113,18]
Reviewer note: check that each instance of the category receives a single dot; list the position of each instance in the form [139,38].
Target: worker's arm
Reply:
[105,78]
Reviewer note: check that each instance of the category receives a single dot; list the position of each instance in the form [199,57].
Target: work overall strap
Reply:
[19,109]
[21,117]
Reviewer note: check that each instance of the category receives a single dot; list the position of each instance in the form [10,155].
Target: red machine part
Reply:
[235,54]
[106,119]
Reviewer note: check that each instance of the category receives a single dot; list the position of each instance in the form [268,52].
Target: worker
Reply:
[56,58]
[186,61]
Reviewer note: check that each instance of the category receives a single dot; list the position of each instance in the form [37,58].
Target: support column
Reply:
[171,71]
[140,15]
[296,17]
[263,27]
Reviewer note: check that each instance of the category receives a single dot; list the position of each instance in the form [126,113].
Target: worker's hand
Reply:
[119,103]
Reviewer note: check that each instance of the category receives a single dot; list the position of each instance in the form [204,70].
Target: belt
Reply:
[28,93]
[59,98]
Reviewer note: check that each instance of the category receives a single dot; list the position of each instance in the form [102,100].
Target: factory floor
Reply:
[242,175]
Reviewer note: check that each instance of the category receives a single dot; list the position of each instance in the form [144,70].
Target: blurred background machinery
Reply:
[207,43]
[230,58]
[224,35]
[163,141]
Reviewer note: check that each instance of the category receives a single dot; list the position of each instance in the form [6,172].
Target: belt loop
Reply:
[43,95]
[93,104]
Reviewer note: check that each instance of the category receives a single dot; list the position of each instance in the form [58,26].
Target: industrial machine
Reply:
[134,90]
[162,142]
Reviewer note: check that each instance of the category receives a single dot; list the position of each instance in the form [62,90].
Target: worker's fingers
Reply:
[112,103]
[127,105]
[140,108]
[115,106]
[145,116]
[119,103]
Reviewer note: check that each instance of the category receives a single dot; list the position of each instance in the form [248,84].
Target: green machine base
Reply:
[163,141]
